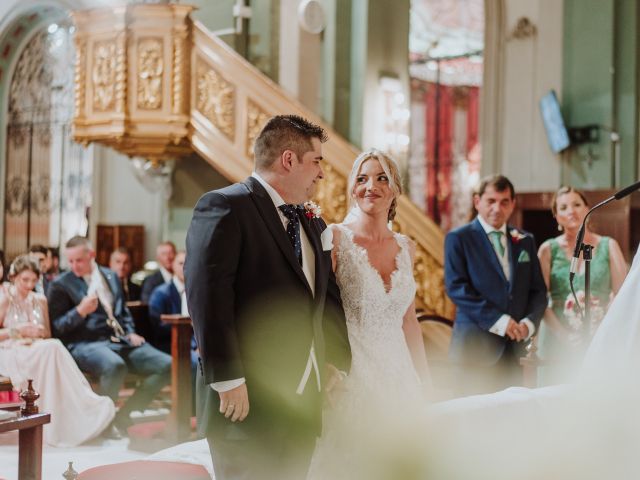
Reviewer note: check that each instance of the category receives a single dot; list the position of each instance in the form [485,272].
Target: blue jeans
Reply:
[109,362]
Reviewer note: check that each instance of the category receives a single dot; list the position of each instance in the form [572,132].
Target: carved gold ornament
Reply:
[104,75]
[331,195]
[150,68]
[256,119]
[215,99]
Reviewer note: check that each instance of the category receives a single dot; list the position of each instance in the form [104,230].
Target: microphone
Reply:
[576,252]
[627,191]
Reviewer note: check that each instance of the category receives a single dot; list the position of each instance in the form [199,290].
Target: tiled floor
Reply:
[55,460]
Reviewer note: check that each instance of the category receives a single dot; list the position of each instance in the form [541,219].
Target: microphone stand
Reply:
[587,251]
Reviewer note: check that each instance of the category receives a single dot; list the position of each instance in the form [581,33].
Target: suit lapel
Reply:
[79,286]
[310,228]
[175,298]
[482,239]
[268,212]
[514,252]
[111,280]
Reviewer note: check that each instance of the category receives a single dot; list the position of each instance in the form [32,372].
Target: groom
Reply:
[493,276]
[265,308]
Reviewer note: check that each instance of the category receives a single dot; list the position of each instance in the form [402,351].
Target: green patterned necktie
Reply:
[496,238]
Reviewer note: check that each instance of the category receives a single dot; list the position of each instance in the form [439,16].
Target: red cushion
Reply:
[147,429]
[146,470]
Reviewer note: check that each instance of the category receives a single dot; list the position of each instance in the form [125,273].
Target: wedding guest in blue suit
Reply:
[88,314]
[493,276]
[170,298]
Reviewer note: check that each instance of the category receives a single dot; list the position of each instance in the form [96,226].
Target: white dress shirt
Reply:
[309,270]
[500,327]
[166,274]
[183,295]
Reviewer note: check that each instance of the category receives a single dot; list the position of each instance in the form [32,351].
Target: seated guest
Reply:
[168,298]
[562,336]
[165,253]
[55,263]
[42,255]
[89,315]
[171,298]
[27,352]
[120,263]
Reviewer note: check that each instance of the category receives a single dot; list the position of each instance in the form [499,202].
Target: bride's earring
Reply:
[560,229]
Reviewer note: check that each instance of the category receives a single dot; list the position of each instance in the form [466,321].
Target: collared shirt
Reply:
[166,274]
[500,327]
[183,295]
[309,270]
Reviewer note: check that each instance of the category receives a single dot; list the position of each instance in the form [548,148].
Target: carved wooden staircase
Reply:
[152,83]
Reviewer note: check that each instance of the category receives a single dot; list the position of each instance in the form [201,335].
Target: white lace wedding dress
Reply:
[382,390]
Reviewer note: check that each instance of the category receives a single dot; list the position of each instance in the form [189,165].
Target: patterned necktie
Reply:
[496,240]
[293,228]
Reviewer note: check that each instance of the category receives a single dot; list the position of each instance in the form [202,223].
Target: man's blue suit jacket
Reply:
[165,299]
[476,284]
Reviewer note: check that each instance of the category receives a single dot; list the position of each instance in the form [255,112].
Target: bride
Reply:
[389,372]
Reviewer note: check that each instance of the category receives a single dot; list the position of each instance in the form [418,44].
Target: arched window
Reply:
[48,176]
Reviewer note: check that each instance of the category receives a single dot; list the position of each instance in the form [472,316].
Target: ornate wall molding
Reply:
[150,69]
[138,79]
[103,76]
[256,118]
[215,98]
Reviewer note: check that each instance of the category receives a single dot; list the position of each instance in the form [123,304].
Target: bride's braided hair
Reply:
[390,168]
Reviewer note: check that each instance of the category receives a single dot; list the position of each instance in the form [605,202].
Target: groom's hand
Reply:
[234,403]
[514,331]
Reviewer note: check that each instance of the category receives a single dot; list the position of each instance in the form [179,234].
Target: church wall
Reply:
[601,79]
[532,66]
[192,178]
[119,198]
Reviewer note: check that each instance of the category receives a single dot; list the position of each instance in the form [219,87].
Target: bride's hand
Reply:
[335,384]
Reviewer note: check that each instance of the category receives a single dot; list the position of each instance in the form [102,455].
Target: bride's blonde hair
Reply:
[390,168]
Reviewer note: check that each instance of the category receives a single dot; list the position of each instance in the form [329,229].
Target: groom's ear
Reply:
[287,159]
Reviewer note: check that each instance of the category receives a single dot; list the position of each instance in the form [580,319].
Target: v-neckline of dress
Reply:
[388,288]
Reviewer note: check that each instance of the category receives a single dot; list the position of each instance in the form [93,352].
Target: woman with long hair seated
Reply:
[27,352]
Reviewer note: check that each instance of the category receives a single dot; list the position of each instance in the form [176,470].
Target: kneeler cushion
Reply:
[146,470]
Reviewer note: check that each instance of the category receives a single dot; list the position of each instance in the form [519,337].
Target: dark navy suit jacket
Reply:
[165,299]
[64,295]
[477,285]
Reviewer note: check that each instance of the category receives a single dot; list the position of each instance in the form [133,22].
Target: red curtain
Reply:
[441,103]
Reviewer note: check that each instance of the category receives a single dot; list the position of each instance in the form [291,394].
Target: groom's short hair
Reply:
[500,183]
[285,132]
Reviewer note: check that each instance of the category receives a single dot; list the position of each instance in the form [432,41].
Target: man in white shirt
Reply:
[493,275]
[259,289]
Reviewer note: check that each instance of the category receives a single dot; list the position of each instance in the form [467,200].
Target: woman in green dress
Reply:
[561,340]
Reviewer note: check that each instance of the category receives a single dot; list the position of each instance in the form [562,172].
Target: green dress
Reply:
[562,359]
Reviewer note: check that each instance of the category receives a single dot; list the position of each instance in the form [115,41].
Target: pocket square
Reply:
[524,257]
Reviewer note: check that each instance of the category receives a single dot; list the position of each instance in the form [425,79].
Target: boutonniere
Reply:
[312,210]
[516,236]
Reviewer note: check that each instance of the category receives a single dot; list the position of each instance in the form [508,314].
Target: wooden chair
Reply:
[436,334]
